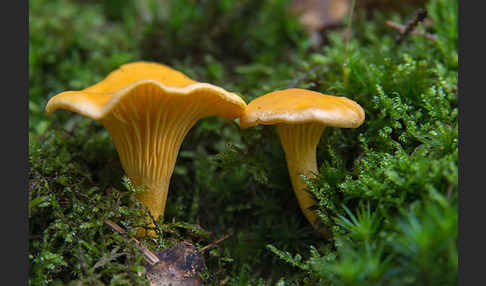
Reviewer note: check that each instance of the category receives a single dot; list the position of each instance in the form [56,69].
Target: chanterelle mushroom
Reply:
[301,116]
[148,108]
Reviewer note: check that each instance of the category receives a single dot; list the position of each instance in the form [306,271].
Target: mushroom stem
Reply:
[148,142]
[299,142]
[154,196]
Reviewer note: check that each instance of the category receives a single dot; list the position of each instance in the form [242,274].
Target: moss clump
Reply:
[67,209]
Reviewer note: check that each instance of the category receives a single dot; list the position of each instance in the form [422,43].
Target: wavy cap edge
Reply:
[97,105]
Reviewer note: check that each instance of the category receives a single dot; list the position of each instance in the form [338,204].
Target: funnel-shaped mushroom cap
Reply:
[148,108]
[296,106]
[99,100]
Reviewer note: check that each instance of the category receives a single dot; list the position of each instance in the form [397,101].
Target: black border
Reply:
[472,238]
[14,116]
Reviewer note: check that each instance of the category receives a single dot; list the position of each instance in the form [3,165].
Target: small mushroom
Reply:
[301,116]
[148,108]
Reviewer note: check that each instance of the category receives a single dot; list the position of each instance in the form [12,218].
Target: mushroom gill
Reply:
[148,109]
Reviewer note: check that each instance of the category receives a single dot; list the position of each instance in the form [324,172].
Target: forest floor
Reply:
[387,191]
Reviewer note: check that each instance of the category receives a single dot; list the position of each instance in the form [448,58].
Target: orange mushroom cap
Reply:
[98,100]
[295,106]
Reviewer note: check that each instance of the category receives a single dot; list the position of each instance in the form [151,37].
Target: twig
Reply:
[411,24]
[115,227]
[148,255]
[215,242]
[401,28]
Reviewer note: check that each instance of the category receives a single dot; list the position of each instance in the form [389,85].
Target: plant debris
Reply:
[179,265]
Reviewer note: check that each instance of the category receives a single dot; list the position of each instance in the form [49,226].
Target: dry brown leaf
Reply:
[315,15]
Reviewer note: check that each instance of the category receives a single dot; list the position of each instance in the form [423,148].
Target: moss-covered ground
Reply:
[388,190]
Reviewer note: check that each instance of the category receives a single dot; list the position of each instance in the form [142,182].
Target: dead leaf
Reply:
[315,15]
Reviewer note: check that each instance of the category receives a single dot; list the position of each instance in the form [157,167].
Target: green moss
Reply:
[402,161]
[226,30]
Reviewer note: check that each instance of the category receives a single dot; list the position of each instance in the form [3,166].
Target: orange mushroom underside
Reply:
[148,109]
